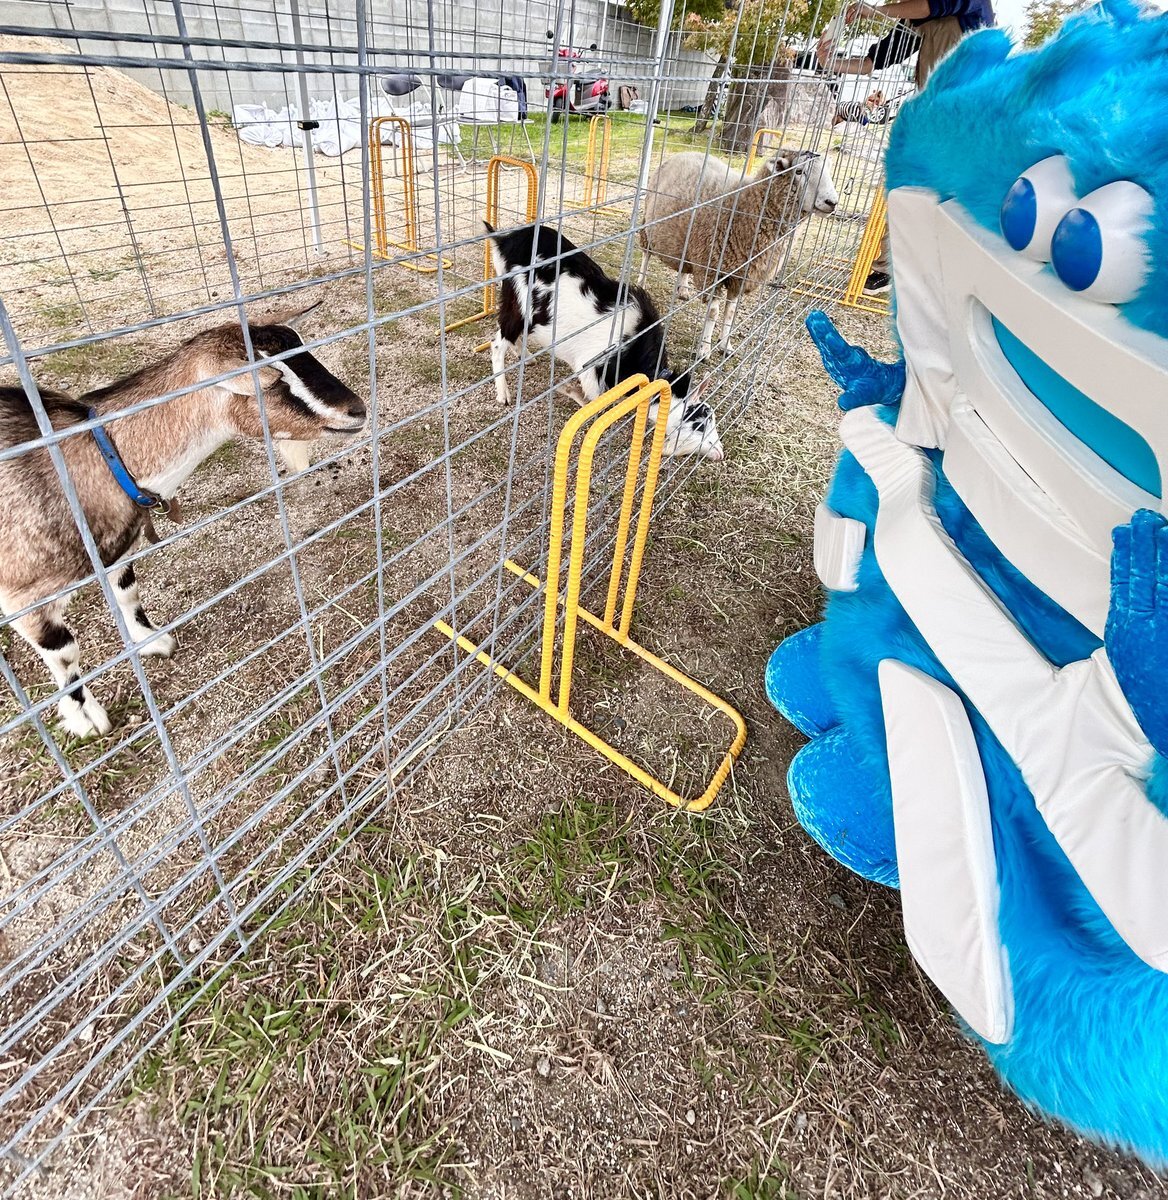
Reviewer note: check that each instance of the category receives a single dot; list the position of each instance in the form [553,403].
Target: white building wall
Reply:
[503,36]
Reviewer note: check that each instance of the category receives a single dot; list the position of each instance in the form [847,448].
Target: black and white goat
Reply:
[133,464]
[601,335]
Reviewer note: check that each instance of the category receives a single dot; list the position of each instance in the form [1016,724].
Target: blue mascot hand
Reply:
[1136,636]
[864,379]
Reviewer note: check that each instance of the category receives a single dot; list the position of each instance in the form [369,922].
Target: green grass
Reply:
[763,1183]
[64,318]
[578,855]
[312,1058]
[569,139]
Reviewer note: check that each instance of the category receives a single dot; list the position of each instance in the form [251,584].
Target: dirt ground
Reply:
[515,974]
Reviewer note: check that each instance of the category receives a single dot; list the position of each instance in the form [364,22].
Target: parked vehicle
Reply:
[584,92]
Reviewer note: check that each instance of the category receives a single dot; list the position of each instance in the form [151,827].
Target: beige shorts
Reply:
[937,39]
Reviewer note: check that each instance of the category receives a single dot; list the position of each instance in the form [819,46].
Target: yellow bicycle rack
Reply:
[754,145]
[634,395]
[494,167]
[381,243]
[853,293]
[596,179]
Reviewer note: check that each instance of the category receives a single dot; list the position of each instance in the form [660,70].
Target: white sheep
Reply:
[740,226]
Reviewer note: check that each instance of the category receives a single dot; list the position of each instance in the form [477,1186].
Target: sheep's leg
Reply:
[713,317]
[498,363]
[53,640]
[728,324]
[643,277]
[685,286]
[142,629]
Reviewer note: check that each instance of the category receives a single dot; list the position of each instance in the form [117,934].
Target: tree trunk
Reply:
[707,113]
[757,98]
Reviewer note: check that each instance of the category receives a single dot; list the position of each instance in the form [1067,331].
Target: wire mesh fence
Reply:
[166,205]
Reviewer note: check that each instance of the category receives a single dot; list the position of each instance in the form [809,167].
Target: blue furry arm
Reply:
[864,379]
[1136,636]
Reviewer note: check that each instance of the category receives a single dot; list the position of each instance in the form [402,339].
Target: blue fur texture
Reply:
[1090,1038]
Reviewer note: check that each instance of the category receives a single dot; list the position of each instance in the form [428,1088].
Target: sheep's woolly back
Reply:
[734,230]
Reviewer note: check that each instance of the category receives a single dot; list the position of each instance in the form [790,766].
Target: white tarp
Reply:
[340,124]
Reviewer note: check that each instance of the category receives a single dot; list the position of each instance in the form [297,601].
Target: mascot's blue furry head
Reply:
[1098,94]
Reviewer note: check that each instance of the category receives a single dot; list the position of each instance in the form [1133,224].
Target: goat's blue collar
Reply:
[140,495]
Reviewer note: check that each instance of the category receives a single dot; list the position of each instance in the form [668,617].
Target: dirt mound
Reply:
[107,199]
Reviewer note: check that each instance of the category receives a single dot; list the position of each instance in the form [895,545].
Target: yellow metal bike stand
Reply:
[633,395]
[381,242]
[494,166]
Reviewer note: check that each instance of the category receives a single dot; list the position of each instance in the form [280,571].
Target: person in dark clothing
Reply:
[927,28]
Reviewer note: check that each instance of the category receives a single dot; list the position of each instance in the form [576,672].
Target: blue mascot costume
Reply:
[987,695]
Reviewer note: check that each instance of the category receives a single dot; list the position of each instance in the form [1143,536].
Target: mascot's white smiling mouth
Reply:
[1049,442]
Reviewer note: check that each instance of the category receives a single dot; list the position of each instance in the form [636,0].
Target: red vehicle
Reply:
[585,91]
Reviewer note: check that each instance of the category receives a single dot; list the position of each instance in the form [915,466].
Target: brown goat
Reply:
[41,551]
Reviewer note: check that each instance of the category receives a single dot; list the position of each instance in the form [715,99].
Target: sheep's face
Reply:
[817,188]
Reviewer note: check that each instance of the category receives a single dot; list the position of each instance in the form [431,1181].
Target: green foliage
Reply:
[645,11]
[758,32]
[1044,17]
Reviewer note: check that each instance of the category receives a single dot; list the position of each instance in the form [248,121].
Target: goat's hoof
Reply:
[162,646]
[726,346]
[84,719]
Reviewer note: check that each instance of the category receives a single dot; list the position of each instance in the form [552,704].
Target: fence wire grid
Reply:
[144,200]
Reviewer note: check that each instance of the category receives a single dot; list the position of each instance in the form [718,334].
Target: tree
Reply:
[752,45]
[645,11]
[1044,17]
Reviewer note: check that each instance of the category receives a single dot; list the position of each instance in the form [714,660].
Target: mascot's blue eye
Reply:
[1077,249]
[1034,205]
[1099,246]
[1019,214]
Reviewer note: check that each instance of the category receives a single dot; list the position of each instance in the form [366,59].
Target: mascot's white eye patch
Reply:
[1034,205]
[1099,247]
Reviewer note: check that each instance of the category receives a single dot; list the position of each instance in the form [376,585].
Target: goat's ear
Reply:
[293,317]
[241,384]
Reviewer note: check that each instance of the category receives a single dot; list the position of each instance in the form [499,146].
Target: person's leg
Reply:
[938,37]
[880,274]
